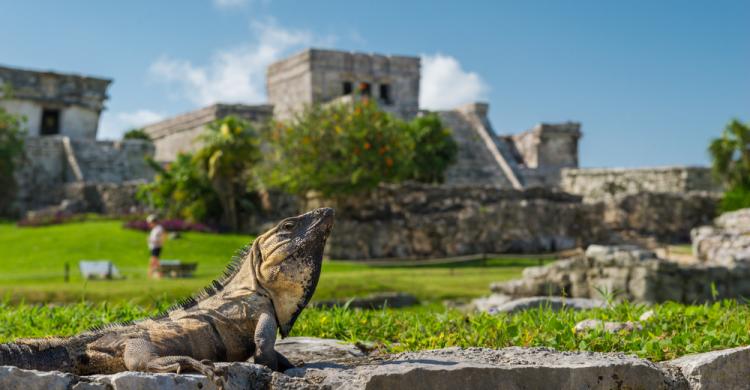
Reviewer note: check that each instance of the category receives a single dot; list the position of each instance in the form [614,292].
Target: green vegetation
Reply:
[136,134]
[347,148]
[213,185]
[12,132]
[34,259]
[730,155]
[675,329]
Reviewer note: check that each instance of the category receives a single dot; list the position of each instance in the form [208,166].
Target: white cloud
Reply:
[113,125]
[230,3]
[446,85]
[234,75]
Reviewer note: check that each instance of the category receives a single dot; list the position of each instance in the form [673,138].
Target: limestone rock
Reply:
[494,305]
[509,368]
[607,326]
[311,349]
[727,242]
[16,378]
[646,316]
[724,369]
[373,301]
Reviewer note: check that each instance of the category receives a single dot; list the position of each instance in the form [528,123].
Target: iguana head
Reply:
[288,262]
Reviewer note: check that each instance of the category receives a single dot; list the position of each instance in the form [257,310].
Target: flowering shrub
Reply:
[346,148]
[171,225]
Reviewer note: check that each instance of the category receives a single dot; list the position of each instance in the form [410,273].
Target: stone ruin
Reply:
[630,273]
[726,242]
[62,155]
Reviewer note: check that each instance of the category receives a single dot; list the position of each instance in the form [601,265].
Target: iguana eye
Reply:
[288,225]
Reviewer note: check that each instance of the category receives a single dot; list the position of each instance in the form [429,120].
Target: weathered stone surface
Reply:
[494,303]
[16,378]
[607,326]
[631,273]
[724,369]
[373,301]
[311,349]
[509,368]
[727,242]
[449,368]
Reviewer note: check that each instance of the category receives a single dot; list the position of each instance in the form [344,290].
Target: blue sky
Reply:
[651,81]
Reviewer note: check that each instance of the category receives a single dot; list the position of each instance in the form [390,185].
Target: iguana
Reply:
[263,289]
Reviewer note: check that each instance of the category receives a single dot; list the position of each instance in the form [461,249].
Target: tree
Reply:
[337,150]
[730,155]
[136,134]
[12,133]
[435,149]
[348,148]
[229,153]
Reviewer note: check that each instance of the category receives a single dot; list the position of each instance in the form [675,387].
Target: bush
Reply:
[181,190]
[435,149]
[214,184]
[136,134]
[349,148]
[734,199]
[12,133]
[170,225]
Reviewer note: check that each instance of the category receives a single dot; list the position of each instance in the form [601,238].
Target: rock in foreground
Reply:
[449,368]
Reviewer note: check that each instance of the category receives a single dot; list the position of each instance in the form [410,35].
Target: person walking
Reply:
[155,242]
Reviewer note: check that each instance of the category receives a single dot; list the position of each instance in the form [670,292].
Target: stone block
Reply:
[723,370]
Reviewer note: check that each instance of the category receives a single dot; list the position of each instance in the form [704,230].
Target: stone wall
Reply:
[632,274]
[416,220]
[50,163]
[667,217]
[610,183]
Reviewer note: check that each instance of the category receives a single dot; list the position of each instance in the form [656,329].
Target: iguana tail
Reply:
[40,354]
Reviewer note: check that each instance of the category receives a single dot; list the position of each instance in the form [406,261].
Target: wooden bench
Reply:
[176,269]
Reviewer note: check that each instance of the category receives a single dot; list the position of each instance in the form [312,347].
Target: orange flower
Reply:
[389,162]
[382,150]
[367,146]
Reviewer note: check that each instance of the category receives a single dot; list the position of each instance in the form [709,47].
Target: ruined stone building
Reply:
[314,76]
[62,157]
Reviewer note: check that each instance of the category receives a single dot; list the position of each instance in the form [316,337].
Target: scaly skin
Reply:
[234,319]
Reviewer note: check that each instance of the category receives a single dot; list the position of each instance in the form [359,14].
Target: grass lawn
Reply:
[675,329]
[32,261]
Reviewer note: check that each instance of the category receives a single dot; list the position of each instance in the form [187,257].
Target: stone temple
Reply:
[63,160]
[314,76]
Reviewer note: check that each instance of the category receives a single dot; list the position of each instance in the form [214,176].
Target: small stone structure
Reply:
[62,160]
[726,242]
[632,274]
[320,76]
[332,364]
[179,134]
[54,103]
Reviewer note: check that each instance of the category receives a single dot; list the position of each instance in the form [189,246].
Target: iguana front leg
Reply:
[139,355]
[265,342]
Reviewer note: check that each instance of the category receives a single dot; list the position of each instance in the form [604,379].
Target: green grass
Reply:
[675,330]
[32,262]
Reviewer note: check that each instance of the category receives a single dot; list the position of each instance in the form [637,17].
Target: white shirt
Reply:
[154,237]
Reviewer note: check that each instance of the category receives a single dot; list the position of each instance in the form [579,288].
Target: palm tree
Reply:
[230,149]
[730,155]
